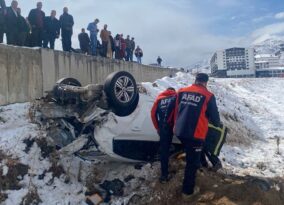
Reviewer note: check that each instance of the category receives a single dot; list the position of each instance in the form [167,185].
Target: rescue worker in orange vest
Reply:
[195,106]
[162,115]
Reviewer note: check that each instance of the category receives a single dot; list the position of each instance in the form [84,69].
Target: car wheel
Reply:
[122,94]
[68,81]
[63,97]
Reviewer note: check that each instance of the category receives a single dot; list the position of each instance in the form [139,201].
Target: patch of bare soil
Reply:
[32,198]
[3,197]
[215,189]
[16,172]
[46,149]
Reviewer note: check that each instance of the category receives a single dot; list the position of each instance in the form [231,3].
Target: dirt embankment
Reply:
[215,189]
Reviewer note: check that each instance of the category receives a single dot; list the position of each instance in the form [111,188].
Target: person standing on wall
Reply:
[3,12]
[24,29]
[36,18]
[122,48]
[117,46]
[93,29]
[84,41]
[159,61]
[105,39]
[139,54]
[51,30]
[110,47]
[66,24]
[195,106]
[162,115]
[128,48]
[12,23]
[132,42]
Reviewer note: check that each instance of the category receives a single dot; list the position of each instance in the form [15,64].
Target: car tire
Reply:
[122,94]
[68,81]
[62,97]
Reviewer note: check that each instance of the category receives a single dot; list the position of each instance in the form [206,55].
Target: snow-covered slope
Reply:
[270,45]
[251,108]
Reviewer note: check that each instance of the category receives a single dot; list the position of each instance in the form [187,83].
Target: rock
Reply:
[114,187]
[208,196]
[94,199]
[138,166]
[129,178]
[225,200]
[135,199]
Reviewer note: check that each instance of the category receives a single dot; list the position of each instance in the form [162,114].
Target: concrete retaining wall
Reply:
[25,74]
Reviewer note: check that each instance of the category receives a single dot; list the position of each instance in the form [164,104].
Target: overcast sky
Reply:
[180,31]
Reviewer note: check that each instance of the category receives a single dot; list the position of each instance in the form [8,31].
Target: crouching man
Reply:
[195,105]
[162,115]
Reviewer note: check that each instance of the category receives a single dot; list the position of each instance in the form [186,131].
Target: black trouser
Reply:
[128,51]
[1,35]
[193,150]
[66,40]
[131,55]
[37,37]
[212,158]
[49,39]
[12,38]
[104,48]
[166,137]
[85,48]
[22,37]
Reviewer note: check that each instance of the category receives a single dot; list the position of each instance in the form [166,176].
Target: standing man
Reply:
[93,28]
[24,29]
[3,12]
[132,42]
[195,105]
[66,24]
[128,48]
[12,24]
[36,18]
[84,41]
[162,115]
[105,39]
[51,30]
[159,61]
[139,54]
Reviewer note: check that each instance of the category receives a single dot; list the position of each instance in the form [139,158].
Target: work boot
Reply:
[216,167]
[165,179]
[188,197]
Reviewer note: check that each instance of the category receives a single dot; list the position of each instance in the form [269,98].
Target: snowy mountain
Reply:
[268,46]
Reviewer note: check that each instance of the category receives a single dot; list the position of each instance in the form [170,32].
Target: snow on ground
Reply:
[251,108]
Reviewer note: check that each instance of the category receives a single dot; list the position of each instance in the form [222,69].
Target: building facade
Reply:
[272,60]
[233,62]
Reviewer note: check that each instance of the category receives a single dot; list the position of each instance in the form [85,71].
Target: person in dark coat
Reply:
[84,41]
[66,23]
[3,12]
[12,23]
[128,48]
[162,115]
[195,107]
[36,18]
[24,29]
[132,42]
[139,54]
[51,30]
[159,60]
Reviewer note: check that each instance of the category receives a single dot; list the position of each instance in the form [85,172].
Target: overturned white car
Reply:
[111,119]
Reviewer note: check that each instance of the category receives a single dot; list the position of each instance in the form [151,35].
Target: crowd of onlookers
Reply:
[38,30]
